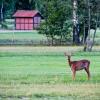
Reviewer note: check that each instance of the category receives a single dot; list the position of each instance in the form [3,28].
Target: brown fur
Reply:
[79,65]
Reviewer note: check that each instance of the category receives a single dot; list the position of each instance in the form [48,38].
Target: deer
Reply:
[78,65]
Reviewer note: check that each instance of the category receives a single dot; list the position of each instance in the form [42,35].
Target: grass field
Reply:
[42,73]
[32,38]
[22,36]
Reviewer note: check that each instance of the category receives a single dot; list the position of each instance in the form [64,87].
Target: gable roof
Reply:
[26,13]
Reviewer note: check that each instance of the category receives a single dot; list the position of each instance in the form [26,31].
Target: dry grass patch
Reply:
[28,90]
[38,49]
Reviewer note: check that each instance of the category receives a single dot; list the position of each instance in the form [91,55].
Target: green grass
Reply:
[42,73]
[33,35]
[22,36]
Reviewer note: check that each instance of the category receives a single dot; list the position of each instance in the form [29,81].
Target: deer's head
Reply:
[68,54]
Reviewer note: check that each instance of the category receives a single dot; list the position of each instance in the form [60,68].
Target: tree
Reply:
[56,13]
[95,14]
[25,4]
[75,23]
[29,4]
[1,10]
[86,10]
[92,22]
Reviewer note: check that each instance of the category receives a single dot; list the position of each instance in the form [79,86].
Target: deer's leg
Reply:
[74,73]
[88,72]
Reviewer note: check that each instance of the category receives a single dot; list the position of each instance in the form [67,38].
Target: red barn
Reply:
[27,19]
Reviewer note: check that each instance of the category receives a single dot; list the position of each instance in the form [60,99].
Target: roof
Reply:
[25,13]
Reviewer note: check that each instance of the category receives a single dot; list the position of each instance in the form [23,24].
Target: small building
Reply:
[27,19]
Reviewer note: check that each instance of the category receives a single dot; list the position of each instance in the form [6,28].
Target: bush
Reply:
[4,25]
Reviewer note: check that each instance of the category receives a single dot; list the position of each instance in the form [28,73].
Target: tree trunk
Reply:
[94,32]
[84,34]
[52,40]
[89,20]
[1,12]
[88,42]
[75,23]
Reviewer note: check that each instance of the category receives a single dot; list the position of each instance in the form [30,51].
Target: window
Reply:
[37,22]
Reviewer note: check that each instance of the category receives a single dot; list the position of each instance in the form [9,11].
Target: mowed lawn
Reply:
[21,36]
[33,37]
[43,73]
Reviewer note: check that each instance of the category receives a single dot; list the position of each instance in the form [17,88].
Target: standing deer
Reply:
[78,65]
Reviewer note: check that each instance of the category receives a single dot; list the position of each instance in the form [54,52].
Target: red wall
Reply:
[27,23]
[24,23]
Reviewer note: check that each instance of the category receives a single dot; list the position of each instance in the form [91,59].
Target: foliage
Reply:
[83,13]
[4,25]
[56,14]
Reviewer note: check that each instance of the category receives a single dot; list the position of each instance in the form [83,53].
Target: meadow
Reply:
[32,38]
[21,38]
[43,73]
[21,35]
